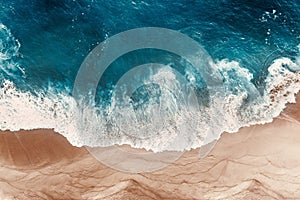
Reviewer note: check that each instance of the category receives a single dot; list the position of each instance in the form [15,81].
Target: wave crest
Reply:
[237,104]
[227,112]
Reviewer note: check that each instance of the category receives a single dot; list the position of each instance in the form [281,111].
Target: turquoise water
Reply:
[253,45]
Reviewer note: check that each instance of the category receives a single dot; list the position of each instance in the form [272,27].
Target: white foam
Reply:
[9,49]
[183,130]
[180,127]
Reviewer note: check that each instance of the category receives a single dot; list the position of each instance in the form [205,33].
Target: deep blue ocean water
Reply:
[44,42]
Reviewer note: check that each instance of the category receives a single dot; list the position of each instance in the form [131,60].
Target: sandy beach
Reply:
[149,100]
[258,162]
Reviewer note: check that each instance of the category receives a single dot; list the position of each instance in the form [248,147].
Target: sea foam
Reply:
[166,126]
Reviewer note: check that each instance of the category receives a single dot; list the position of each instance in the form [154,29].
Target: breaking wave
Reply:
[159,124]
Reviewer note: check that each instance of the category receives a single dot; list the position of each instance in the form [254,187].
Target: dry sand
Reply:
[259,162]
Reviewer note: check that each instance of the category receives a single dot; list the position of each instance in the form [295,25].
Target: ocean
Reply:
[253,48]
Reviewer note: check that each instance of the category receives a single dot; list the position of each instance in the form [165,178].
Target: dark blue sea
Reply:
[252,45]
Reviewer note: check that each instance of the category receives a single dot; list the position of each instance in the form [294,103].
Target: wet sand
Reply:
[258,162]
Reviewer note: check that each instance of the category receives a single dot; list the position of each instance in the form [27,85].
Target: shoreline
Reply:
[257,162]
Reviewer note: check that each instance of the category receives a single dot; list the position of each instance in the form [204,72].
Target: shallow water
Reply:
[254,48]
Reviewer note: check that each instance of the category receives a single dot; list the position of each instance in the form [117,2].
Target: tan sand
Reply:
[259,162]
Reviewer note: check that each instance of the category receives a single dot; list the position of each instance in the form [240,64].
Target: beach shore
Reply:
[258,162]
